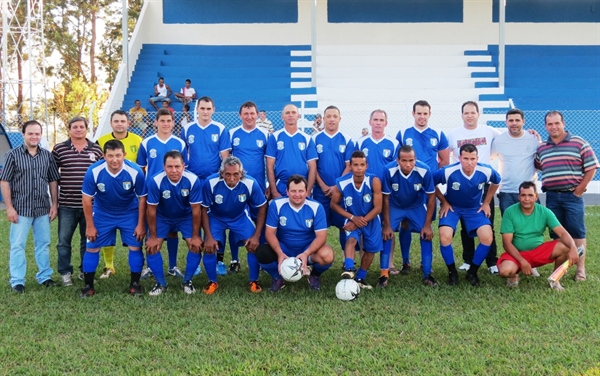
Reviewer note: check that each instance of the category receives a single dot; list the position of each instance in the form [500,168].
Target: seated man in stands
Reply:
[162,92]
[139,117]
[187,93]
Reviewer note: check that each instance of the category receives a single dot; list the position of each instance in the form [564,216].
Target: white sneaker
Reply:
[66,280]
[157,290]
[535,273]
[493,270]
[146,273]
[464,267]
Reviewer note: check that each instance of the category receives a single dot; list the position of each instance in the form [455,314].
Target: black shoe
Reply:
[49,283]
[453,279]
[234,267]
[19,289]
[87,292]
[405,269]
[430,281]
[136,289]
[382,281]
[472,278]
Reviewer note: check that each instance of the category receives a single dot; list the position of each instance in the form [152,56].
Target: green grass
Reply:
[405,329]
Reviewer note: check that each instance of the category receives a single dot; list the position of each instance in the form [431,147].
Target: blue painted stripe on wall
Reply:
[549,11]
[229,11]
[388,11]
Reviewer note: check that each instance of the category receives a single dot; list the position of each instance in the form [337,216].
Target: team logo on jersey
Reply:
[126,185]
[348,201]
[152,153]
[101,187]
[185,192]
[456,186]
[367,198]
[242,198]
[342,148]
[219,199]
[282,221]
[92,157]
[480,186]
[301,145]
[387,152]
[236,141]
[433,141]
[279,145]
[166,194]
[395,187]
[191,139]
[319,148]
[366,151]
[309,223]
[417,187]
[133,149]
[214,137]
[260,143]
[409,141]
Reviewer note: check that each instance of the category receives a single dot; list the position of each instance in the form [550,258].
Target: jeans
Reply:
[570,212]
[507,199]
[18,242]
[68,219]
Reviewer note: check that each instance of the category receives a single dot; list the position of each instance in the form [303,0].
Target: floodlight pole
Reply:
[501,47]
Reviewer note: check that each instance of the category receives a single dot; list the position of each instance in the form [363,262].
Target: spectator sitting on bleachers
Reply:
[138,116]
[318,124]
[264,123]
[187,93]
[162,92]
[166,105]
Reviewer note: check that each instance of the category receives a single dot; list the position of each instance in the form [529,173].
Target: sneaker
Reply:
[493,270]
[405,269]
[363,284]
[453,279]
[87,292]
[535,273]
[49,283]
[198,270]
[157,290]
[234,267]
[211,288]
[221,269]
[107,273]
[255,287]
[66,280]
[349,273]
[314,282]
[175,272]
[19,289]
[136,289]
[277,284]
[188,288]
[464,267]
[429,281]
[382,281]
[473,279]
[146,273]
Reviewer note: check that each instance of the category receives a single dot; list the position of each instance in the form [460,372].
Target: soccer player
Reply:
[523,227]
[465,183]
[131,141]
[430,147]
[296,227]
[361,194]
[151,159]
[334,149]
[409,195]
[114,197]
[174,198]
[227,196]
[289,152]
[249,144]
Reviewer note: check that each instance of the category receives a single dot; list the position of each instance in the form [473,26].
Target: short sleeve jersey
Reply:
[516,157]
[296,228]
[152,153]
[114,193]
[291,153]
[204,147]
[481,137]
[229,204]
[357,201]
[250,148]
[426,143]
[466,191]
[528,230]
[131,142]
[407,191]
[173,200]
[334,151]
[379,152]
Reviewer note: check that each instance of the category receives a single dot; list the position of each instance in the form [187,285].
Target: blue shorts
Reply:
[107,226]
[166,225]
[333,218]
[415,216]
[241,228]
[570,212]
[371,236]
[471,218]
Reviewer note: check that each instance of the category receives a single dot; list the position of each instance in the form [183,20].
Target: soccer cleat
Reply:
[146,273]
[255,287]
[349,273]
[136,289]
[535,273]
[453,279]
[314,282]
[188,288]
[493,270]
[363,285]
[277,284]
[107,273]
[234,267]
[157,290]
[221,269]
[87,292]
[429,281]
[405,269]
[19,289]
[464,267]
[175,272]
[198,270]
[49,283]
[211,288]
[473,279]
[66,280]
[382,281]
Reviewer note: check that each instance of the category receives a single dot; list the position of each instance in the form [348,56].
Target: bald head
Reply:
[290,115]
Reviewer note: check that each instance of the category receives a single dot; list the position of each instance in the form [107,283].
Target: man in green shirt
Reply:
[523,227]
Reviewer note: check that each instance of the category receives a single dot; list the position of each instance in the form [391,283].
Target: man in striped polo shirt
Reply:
[73,157]
[568,163]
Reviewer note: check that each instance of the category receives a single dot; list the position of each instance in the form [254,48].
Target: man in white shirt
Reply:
[187,93]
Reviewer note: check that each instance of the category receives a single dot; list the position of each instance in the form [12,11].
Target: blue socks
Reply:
[481,253]
[155,263]
[426,256]
[253,266]
[192,262]
[235,249]
[272,269]
[348,263]
[210,264]
[384,256]
[320,269]
[361,274]
[136,261]
[90,262]
[405,238]
[447,254]
[172,246]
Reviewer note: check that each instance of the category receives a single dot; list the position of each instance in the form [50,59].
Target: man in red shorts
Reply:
[523,227]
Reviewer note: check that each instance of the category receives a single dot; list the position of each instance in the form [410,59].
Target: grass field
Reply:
[405,329]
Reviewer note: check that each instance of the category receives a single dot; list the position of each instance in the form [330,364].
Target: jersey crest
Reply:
[395,187]
[92,157]
[242,197]
[480,186]
[260,143]
[133,149]
[434,141]
[348,201]
[236,141]
[367,198]
[166,194]
[409,141]
[366,151]
[214,137]
[185,192]
[456,186]
[417,187]
[219,199]
[309,223]
[191,139]
[319,148]
[152,153]
[301,145]
[101,187]
[282,220]
[342,148]
[279,145]
[126,185]
[387,152]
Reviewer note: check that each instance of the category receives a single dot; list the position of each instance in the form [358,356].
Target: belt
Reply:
[562,190]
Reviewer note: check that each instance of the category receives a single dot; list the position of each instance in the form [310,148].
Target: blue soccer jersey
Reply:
[379,152]
[291,154]
[407,191]
[462,191]
[296,228]
[116,193]
[205,145]
[357,201]
[250,148]
[426,143]
[152,153]
[173,200]
[333,151]
[229,204]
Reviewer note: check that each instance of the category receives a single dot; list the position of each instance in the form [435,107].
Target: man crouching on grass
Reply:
[522,230]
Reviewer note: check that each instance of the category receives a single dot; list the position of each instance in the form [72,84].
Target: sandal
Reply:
[394,271]
[512,284]
[580,275]
[556,286]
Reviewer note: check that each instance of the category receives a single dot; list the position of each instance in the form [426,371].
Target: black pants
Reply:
[468,243]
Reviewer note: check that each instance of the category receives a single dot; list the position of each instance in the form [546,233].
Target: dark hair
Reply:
[550,113]
[205,99]
[186,106]
[137,100]
[248,104]
[462,109]
[468,148]
[118,112]
[188,80]
[332,108]
[405,149]
[76,119]
[357,154]
[297,179]
[527,185]
[515,111]
[113,145]
[172,154]
[28,123]
[161,78]
[163,112]
[262,111]
[423,103]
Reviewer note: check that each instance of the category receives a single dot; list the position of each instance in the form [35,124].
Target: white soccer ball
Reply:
[291,269]
[347,289]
